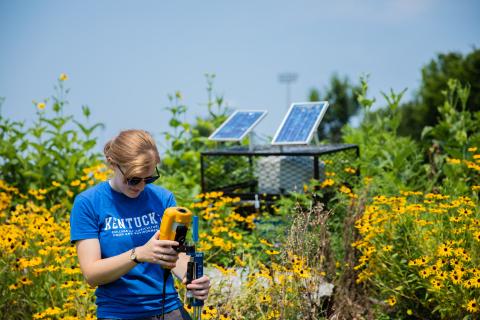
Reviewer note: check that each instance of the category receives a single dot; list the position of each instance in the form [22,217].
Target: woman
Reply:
[115,226]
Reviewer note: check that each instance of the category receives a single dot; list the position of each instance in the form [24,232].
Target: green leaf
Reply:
[86,111]
[426,131]
[174,123]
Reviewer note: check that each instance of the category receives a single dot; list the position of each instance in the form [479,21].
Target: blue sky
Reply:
[124,57]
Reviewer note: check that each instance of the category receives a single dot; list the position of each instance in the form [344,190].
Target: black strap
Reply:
[166,274]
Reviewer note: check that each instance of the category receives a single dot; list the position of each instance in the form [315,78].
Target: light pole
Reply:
[287,78]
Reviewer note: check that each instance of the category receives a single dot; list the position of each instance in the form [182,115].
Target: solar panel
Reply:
[238,125]
[300,123]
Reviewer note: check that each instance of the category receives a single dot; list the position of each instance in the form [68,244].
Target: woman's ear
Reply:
[110,162]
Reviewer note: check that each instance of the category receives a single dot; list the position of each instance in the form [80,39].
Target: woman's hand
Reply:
[158,252]
[199,287]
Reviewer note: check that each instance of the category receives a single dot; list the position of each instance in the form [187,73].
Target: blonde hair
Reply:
[133,150]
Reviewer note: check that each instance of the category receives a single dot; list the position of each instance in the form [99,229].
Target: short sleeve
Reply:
[83,220]
[171,202]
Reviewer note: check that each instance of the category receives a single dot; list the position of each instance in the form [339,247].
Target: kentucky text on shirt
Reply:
[142,221]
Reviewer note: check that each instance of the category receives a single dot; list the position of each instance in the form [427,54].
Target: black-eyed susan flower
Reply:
[25,281]
[424,273]
[264,298]
[476,236]
[272,252]
[442,275]
[468,283]
[391,301]
[436,284]
[444,250]
[456,277]
[472,306]
[476,282]
[464,211]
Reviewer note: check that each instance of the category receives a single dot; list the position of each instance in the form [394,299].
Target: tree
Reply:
[423,110]
[341,95]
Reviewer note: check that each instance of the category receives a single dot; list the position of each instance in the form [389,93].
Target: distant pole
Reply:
[287,78]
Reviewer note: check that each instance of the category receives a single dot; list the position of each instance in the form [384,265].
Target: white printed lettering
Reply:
[107,223]
[152,218]
[121,223]
[138,222]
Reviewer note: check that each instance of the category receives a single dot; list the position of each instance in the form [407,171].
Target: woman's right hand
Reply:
[158,252]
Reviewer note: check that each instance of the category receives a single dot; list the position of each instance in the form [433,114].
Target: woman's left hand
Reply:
[200,287]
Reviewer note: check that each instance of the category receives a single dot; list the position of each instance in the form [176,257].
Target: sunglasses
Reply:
[136,180]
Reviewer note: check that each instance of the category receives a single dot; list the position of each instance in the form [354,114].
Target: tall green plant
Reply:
[181,162]
[382,151]
[457,131]
[52,153]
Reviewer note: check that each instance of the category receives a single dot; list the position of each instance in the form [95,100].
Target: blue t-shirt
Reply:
[121,223]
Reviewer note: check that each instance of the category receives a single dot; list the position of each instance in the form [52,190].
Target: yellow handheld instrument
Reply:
[174,226]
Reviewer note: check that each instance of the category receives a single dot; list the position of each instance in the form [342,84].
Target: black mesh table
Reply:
[269,171]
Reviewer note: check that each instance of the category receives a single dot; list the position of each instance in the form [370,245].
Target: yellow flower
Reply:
[472,149]
[26,281]
[344,189]
[265,298]
[455,219]
[327,183]
[444,250]
[387,248]
[464,211]
[13,286]
[472,306]
[437,285]
[425,273]
[476,282]
[63,77]
[41,106]
[453,161]
[350,170]
[265,242]
[271,252]
[239,261]
[391,301]
[456,277]
[303,273]
[477,235]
